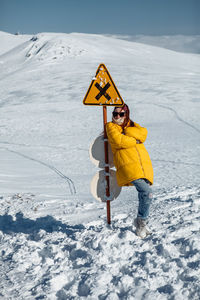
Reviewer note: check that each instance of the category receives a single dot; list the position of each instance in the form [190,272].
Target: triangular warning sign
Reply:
[102,90]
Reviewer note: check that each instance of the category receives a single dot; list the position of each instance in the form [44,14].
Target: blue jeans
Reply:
[145,196]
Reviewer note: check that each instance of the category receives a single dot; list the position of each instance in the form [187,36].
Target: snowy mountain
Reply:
[180,43]
[55,243]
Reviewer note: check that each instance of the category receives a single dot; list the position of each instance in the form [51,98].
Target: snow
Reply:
[55,243]
[180,43]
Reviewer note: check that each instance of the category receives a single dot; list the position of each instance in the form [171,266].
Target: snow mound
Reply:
[44,47]
[49,47]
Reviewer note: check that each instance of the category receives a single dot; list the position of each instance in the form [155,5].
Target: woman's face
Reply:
[119,116]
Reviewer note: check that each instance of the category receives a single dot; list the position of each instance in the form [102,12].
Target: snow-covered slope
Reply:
[9,41]
[54,240]
[180,43]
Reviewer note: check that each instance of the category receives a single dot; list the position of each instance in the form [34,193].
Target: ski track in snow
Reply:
[178,117]
[69,181]
[31,145]
[56,245]
[176,162]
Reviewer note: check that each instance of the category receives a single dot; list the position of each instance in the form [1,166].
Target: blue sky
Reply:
[149,17]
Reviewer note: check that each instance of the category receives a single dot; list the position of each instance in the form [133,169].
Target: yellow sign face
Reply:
[102,90]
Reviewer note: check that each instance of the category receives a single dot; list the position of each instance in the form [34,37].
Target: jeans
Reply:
[145,196]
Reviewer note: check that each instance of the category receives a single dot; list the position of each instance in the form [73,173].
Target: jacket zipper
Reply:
[140,160]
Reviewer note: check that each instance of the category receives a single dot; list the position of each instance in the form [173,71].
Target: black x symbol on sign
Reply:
[102,91]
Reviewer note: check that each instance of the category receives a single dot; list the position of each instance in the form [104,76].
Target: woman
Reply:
[132,161]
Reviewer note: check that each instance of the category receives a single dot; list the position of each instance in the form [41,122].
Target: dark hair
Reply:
[127,116]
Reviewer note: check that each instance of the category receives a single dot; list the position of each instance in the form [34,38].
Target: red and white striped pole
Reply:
[107,169]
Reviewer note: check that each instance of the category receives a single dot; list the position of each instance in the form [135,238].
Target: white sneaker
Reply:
[141,228]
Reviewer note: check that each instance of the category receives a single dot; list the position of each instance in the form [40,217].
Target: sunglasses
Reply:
[121,114]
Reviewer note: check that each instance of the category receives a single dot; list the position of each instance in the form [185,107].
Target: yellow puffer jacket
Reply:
[131,158]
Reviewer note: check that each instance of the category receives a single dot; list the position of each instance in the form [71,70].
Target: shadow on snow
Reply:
[21,224]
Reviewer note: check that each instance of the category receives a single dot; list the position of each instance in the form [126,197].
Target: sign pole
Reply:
[107,169]
[103,92]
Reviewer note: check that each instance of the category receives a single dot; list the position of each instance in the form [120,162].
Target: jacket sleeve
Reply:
[138,132]
[117,139]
